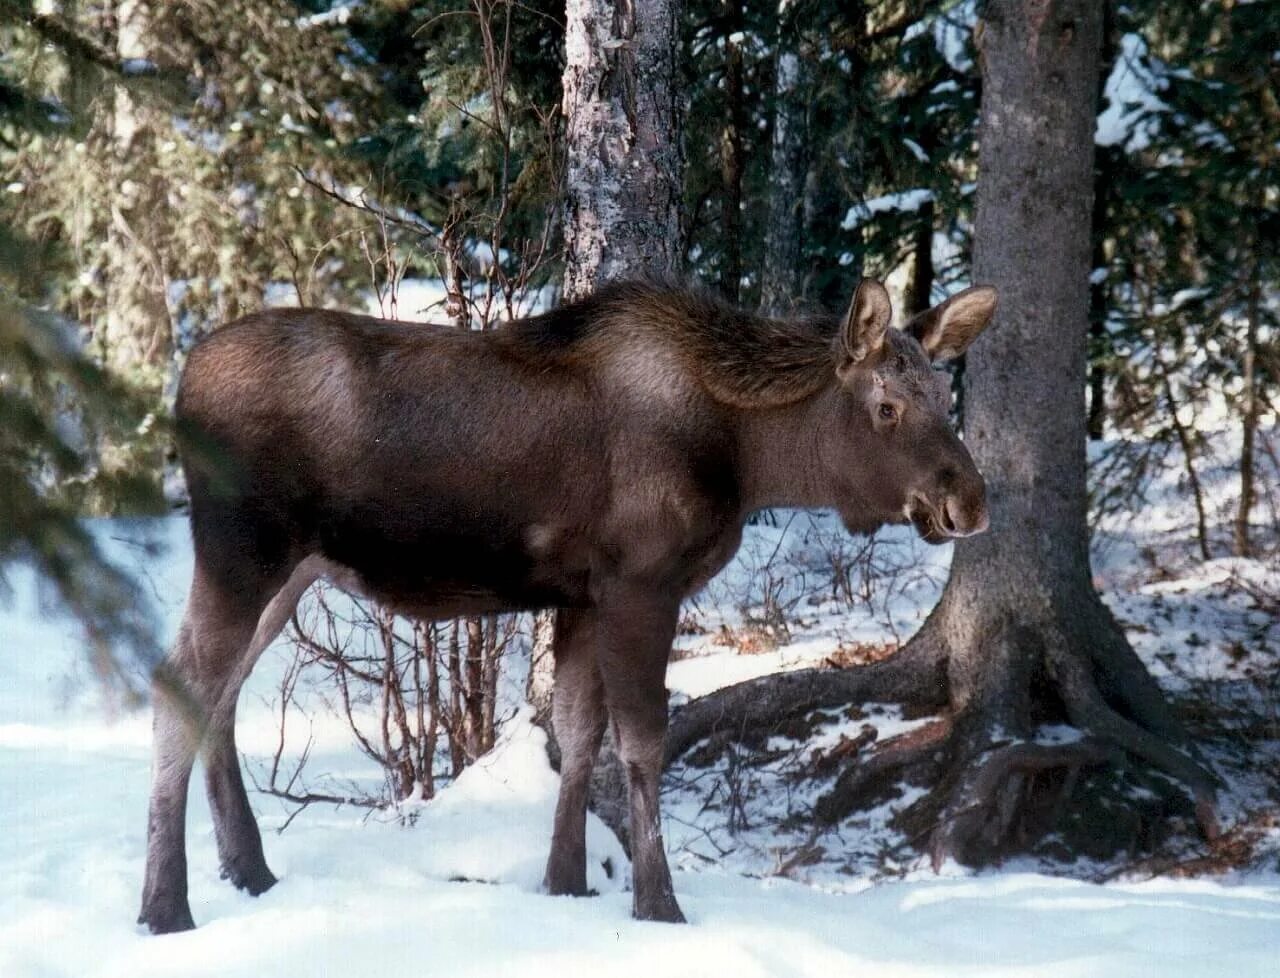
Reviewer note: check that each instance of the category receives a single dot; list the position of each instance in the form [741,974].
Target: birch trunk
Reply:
[136,336]
[622,111]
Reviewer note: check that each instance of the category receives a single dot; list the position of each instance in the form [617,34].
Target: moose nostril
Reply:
[945,518]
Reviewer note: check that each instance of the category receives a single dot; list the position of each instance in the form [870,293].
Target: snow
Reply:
[337,13]
[376,897]
[952,32]
[450,886]
[1131,97]
[905,200]
[423,300]
[916,150]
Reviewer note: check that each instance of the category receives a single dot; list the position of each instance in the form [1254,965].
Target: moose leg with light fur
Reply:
[222,635]
[637,624]
[578,712]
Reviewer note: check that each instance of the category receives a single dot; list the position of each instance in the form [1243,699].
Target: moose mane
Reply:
[740,359]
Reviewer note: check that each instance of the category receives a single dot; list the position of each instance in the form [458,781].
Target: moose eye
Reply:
[888,412]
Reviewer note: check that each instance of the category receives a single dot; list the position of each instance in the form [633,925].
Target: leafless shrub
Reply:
[814,562]
[420,699]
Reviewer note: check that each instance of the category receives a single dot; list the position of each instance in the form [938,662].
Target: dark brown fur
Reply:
[740,360]
[600,459]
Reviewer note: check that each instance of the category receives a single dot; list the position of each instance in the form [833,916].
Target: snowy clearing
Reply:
[451,887]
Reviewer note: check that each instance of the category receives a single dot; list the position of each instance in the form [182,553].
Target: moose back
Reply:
[600,460]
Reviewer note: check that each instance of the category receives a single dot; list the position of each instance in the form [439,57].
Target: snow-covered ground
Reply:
[454,889]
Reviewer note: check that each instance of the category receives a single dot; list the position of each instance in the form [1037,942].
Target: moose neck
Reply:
[779,459]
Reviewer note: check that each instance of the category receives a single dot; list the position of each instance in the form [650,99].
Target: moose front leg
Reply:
[579,716]
[636,626]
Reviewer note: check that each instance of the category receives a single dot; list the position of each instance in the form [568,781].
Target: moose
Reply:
[600,460]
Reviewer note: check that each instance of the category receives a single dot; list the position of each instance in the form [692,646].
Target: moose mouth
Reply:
[927,527]
[932,523]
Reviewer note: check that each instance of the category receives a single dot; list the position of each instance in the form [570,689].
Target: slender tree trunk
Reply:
[782,279]
[1187,444]
[136,338]
[920,286]
[1098,338]
[457,755]
[731,162]
[1243,544]
[473,697]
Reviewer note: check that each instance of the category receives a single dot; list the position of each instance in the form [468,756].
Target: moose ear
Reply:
[863,329]
[946,330]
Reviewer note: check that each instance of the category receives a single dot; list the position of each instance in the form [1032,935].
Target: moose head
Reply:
[890,449]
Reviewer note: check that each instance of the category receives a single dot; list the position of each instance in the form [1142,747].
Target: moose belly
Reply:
[465,566]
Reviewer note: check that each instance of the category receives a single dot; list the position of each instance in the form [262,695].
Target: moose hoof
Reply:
[255,880]
[566,876]
[663,909]
[573,888]
[167,920]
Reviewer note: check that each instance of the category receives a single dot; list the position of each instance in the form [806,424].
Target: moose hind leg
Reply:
[189,693]
[578,715]
[240,854]
[176,736]
[235,827]
[636,631]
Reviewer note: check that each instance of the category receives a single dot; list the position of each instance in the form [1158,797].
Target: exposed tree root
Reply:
[993,788]
[1235,849]
[914,676]
[986,804]
[1122,678]
[856,786]
[1087,709]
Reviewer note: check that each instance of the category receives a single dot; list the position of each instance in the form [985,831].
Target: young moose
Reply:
[600,460]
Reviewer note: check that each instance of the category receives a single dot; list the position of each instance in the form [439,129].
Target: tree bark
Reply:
[1019,612]
[731,161]
[623,181]
[136,338]
[781,282]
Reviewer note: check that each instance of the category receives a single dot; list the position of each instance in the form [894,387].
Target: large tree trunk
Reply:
[622,217]
[1020,637]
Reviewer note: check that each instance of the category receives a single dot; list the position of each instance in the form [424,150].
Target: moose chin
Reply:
[600,460]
